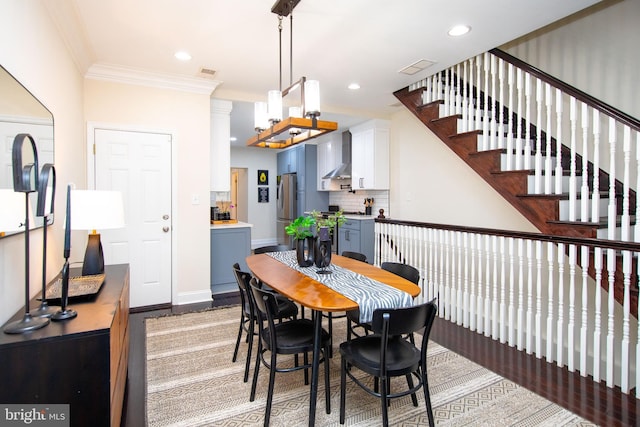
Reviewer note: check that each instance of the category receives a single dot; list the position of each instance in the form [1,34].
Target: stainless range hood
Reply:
[344,170]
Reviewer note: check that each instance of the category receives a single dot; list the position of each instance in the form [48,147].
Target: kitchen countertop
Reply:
[361,216]
[234,225]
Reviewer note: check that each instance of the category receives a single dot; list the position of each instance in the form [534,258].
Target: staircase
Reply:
[541,145]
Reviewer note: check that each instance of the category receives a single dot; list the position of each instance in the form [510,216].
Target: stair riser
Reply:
[565,207]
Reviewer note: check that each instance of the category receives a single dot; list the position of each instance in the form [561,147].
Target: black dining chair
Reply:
[385,355]
[289,337]
[248,319]
[272,248]
[405,271]
[355,255]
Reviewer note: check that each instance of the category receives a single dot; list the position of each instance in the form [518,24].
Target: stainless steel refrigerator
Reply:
[286,205]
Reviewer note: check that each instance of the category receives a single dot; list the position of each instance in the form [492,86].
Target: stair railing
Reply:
[570,140]
[530,291]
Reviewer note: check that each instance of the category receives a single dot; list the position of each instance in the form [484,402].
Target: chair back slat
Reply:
[403,270]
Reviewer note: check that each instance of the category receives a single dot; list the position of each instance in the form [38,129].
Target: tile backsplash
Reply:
[354,202]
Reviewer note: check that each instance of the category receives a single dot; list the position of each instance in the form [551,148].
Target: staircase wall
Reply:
[432,184]
[595,51]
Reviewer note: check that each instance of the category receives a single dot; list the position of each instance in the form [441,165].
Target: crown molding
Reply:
[133,76]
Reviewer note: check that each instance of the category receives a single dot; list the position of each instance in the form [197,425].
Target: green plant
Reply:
[330,221]
[301,227]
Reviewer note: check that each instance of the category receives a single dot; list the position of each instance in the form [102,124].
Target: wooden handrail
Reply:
[570,90]
[580,241]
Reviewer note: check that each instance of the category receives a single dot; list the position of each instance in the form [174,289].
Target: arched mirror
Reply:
[22,113]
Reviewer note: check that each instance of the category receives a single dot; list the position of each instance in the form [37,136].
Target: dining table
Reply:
[304,287]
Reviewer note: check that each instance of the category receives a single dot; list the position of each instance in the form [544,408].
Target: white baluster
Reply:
[447,92]
[452,91]
[584,189]
[511,127]
[487,287]
[548,154]
[465,294]
[560,322]
[478,98]
[530,314]
[481,286]
[458,91]
[472,283]
[550,290]
[471,101]
[494,292]
[595,196]
[449,315]
[485,98]
[572,176]
[527,124]
[597,264]
[500,104]
[521,291]
[442,292]
[464,90]
[610,361]
[537,187]
[503,292]
[611,212]
[584,324]
[538,299]
[572,307]
[494,105]
[512,311]
[520,120]
[558,141]
[458,276]
[626,309]
[625,220]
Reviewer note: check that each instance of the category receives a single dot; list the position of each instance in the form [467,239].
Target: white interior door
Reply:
[139,165]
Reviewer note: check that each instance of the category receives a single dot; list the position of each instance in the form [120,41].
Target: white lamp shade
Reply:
[295,112]
[275,105]
[96,210]
[312,97]
[260,116]
[12,213]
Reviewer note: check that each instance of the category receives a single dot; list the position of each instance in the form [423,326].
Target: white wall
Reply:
[34,53]
[261,215]
[187,116]
[430,183]
[595,51]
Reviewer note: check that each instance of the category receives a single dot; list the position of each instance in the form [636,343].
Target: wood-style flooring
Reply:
[595,402]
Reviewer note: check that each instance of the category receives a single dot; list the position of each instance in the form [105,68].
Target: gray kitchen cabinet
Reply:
[357,235]
[288,160]
[229,244]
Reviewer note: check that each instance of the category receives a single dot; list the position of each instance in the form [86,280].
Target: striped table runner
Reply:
[368,293]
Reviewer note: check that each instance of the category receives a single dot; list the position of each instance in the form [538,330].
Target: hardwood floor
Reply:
[595,402]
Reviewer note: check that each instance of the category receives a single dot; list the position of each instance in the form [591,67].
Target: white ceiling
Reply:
[334,41]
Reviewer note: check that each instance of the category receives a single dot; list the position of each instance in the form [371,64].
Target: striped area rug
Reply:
[191,381]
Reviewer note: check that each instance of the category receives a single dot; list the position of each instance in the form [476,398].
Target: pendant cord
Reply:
[291,48]
[280,47]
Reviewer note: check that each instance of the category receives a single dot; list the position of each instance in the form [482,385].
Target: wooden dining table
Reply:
[319,298]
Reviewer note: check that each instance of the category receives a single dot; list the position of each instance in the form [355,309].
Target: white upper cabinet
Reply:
[370,156]
[329,158]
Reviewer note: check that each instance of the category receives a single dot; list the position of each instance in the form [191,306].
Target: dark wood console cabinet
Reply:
[81,361]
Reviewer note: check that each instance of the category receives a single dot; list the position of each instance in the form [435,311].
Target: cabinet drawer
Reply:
[352,224]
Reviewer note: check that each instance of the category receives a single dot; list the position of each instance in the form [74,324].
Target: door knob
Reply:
[165,229]
[165,216]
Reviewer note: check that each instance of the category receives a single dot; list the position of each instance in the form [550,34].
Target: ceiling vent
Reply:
[207,72]
[416,66]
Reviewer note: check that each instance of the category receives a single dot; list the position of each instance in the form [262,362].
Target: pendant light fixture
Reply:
[302,124]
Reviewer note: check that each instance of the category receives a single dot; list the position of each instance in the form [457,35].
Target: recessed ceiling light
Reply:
[182,55]
[459,30]
[354,86]
[233,139]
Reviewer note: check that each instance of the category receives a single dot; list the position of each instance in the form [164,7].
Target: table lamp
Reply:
[95,210]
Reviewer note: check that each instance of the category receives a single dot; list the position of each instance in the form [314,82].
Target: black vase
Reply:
[323,251]
[305,249]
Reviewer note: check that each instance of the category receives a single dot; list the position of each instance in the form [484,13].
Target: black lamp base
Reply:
[64,314]
[27,324]
[93,257]
[45,310]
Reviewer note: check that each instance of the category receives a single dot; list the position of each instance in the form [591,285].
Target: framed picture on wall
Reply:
[263,194]
[263,177]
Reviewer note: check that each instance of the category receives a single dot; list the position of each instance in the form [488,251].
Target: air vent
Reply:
[416,66]
[207,72]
